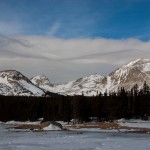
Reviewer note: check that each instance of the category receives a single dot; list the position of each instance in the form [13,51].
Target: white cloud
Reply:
[63,60]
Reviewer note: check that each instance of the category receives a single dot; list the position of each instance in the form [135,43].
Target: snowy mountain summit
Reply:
[41,80]
[13,82]
[135,72]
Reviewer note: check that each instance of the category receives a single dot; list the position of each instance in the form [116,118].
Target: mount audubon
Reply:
[137,72]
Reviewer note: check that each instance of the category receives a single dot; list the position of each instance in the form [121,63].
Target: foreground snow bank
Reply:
[72,140]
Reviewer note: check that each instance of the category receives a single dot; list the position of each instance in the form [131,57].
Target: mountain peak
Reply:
[13,74]
[10,71]
[16,83]
[137,62]
[41,80]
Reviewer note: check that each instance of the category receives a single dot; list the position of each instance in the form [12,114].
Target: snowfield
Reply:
[71,140]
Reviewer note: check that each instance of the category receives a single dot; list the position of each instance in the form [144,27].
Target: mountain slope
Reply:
[13,82]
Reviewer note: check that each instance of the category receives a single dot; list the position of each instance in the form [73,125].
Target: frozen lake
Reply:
[71,140]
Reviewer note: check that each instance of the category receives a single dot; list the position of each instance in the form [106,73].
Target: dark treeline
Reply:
[124,104]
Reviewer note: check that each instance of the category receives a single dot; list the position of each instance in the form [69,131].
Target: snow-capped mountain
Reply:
[135,72]
[43,82]
[13,82]
[90,85]
[87,85]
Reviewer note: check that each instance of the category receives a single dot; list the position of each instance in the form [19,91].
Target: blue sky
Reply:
[115,19]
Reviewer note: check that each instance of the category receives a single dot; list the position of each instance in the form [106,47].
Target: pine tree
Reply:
[145,88]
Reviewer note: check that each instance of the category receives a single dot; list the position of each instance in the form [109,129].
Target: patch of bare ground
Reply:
[38,126]
[29,126]
[110,126]
[33,126]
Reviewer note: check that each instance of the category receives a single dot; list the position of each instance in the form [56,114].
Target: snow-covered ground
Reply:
[136,123]
[21,122]
[71,140]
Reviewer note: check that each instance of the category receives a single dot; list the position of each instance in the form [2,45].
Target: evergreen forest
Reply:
[105,107]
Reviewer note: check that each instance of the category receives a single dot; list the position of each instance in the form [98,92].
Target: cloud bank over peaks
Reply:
[66,59]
